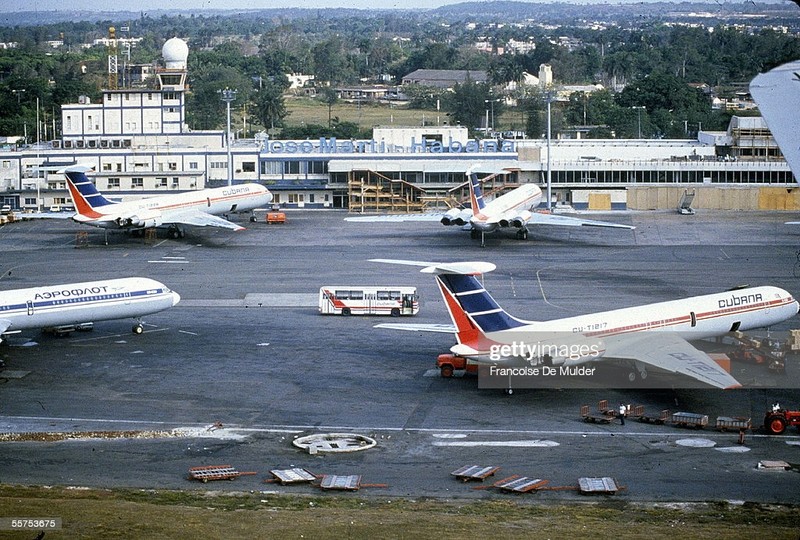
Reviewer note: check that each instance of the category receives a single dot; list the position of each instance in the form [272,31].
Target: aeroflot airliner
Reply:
[651,335]
[511,210]
[198,208]
[77,303]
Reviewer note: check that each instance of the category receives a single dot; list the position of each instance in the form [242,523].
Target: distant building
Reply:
[520,47]
[444,78]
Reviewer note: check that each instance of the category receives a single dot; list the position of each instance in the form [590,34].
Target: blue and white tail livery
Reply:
[655,335]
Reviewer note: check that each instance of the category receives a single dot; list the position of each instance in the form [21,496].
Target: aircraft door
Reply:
[30,307]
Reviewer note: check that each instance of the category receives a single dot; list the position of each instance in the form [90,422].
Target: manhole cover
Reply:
[334,442]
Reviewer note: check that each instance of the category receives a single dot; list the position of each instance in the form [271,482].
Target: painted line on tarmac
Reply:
[518,444]
[437,432]
[111,336]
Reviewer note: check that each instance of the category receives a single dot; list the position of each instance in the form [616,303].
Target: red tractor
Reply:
[776,420]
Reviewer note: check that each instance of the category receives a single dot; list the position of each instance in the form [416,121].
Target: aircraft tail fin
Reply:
[475,192]
[83,191]
[473,310]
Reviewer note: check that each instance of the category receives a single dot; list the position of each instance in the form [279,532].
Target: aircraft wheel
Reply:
[174,234]
[138,329]
[632,376]
[509,391]
[643,375]
[522,234]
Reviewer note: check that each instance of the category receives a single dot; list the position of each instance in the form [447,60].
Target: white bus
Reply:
[394,301]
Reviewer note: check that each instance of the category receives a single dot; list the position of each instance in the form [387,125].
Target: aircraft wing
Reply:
[410,327]
[395,218]
[670,352]
[201,219]
[539,218]
[777,94]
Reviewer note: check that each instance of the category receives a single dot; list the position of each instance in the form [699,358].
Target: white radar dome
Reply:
[175,53]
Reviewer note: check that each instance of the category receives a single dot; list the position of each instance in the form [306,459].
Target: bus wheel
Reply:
[447,371]
[395,312]
[346,311]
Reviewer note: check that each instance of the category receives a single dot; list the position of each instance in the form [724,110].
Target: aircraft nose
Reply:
[175,298]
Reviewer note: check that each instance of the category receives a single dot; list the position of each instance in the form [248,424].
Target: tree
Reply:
[270,106]
[205,109]
[665,98]
[535,108]
[422,96]
[330,61]
[467,104]
[329,98]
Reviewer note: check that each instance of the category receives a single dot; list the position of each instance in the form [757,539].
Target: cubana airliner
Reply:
[55,306]
[198,208]
[513,210]
[655,335]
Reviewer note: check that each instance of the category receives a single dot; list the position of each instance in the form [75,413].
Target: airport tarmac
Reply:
[246,350]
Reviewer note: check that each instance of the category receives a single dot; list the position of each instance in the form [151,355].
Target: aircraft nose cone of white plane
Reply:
[175,298]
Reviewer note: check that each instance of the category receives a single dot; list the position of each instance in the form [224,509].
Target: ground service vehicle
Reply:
[352,300]
[776,420]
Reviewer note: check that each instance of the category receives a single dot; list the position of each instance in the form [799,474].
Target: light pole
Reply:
[639,114]
[228,96]
[491,102]
[549,97]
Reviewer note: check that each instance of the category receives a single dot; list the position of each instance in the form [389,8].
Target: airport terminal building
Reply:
[139,145]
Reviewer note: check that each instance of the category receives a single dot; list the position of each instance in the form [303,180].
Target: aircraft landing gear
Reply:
[176,232]
[522,234]
[137,328]
[639,371]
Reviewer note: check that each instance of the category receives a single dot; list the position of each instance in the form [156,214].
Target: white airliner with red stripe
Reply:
[198,208]
[511,210]
[653,335]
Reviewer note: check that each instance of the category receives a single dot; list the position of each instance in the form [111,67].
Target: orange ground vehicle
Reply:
[777,420]
[275,217]
[448,363]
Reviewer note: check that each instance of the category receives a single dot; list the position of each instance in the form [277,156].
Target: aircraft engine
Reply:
[521,219]
[452,217]
[143,219]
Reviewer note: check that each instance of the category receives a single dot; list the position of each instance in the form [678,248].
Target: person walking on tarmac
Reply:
[622,411]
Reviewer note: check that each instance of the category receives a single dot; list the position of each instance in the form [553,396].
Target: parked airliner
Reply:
[54,306]
[512,210]
[653,335]
[198,208]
